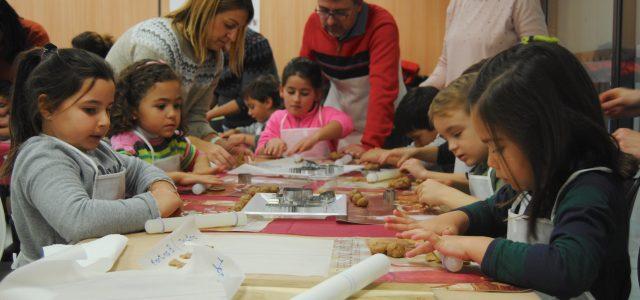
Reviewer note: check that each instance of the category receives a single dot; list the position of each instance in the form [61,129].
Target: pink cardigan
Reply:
[310,120]
[481,29]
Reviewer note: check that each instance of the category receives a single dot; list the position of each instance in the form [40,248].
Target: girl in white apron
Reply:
[565,235]
[67,185]
[304,126]
[146,116]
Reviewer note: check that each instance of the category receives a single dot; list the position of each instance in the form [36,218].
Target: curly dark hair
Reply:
[132,85]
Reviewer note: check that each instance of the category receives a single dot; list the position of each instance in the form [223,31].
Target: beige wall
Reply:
[64,19]
[421,22]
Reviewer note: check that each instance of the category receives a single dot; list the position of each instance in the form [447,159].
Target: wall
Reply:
[421,22]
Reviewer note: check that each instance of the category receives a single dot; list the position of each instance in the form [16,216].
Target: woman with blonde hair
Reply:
[191,40]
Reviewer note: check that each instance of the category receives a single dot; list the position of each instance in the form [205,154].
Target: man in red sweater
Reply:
[357,46]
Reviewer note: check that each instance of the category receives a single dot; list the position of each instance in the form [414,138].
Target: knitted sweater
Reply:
[258,60]
[158,39]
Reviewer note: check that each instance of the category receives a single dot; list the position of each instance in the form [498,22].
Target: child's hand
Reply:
[166,196]
[462,247]
[275,147]
[399,154]
[191,178]
[400,222]
[218,155]
[303,145]
[414,167]
[355,150]
[434,193]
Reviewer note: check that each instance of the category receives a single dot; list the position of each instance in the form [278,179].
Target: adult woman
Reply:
[191,40]
[476,30]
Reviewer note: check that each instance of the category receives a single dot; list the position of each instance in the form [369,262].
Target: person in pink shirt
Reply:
[304,126]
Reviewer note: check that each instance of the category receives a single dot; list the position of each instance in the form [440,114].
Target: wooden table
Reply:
[284,287]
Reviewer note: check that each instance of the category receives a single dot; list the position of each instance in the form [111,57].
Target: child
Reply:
[305,126]
[411,119]
[66,184]
[537,110]
[146,114]
[449,113]
[93,42]
[262,98]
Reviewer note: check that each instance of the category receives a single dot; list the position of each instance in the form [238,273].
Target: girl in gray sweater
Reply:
[66,184]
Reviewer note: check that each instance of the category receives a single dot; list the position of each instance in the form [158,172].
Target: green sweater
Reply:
[587,249]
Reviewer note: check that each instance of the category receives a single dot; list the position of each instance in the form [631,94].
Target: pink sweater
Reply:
[310,120]
[481,29]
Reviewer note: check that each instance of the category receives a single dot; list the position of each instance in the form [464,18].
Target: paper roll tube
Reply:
[349,281]
[382,175]
[161,225]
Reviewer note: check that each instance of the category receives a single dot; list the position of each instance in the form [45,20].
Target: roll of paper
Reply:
[382,175]
[345,160]
[161,225]
[349,281]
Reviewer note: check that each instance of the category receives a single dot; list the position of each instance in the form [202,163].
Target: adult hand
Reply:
[628,140]
[355,150]
[401,154]
[620,103]
[275,148]
[372,155]
[218,155]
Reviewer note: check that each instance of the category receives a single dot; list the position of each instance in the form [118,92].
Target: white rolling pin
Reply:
[345,160]
[349,281]
[382,175]
[161,225]
[199,188]
[452,264]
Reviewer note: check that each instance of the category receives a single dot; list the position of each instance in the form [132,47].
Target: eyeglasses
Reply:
[339,14]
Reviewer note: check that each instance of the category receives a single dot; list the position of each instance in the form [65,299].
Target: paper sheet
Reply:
[275,254]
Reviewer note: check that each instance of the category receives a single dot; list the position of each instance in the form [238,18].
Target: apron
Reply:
[105,187]
[481,186]
[292,136]
[167,164]
[518,228]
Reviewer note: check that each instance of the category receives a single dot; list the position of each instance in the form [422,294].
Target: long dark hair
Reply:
[539,96]
[13,37]
[56,74]
[132,85]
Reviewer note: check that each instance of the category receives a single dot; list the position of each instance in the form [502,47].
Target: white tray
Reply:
[258,206]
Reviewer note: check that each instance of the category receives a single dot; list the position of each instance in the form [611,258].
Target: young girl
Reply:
[305,126]
[262,97]
[66,184]
[566,231]
[146,114]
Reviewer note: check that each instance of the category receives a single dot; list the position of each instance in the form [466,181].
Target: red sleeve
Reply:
[307,37]
[383,72]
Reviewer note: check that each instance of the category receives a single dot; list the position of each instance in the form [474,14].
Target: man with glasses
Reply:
[357,46]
